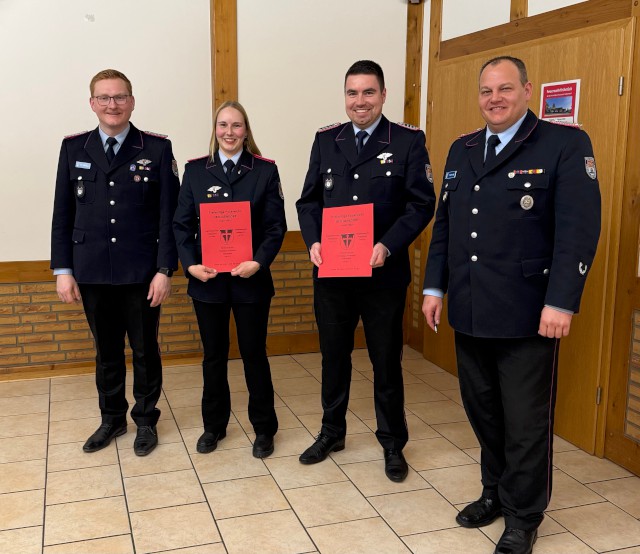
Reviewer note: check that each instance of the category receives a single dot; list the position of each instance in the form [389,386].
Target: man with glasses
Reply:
[112,248]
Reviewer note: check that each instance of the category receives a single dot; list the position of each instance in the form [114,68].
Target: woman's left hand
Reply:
[245,269]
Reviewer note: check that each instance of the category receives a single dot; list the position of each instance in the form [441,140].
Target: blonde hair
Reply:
[249,144]
[109,74]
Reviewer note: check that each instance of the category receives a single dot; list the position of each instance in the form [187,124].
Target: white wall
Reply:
[540,6]
[292,57]
[50,51]
[461,17]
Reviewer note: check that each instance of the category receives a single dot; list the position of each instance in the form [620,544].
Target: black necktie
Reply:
[361,135]
[110,152]
[229,165]
[493,141]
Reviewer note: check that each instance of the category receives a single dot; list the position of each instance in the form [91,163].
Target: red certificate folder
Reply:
[347,241]
[225,229]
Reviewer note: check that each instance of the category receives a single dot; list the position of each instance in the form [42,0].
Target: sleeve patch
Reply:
[328,127]
[264,159]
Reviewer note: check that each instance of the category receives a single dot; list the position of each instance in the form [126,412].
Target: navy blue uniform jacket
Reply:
[402,195]
[112,224]
[254,179]
[506,242]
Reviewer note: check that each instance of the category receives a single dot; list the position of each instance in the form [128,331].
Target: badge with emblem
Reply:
[214,189]
[429,171]
[526,202]
[132,167]
[174,167]
[385,158]
[137,178]
[590,167]
[450,174]
[80,190]
[143,164]
[328,182]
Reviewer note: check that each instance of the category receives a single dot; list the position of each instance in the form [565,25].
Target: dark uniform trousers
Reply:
[112,312]
[391,172]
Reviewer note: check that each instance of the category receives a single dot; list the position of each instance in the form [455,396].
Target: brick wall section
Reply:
[36,329]
[632,415]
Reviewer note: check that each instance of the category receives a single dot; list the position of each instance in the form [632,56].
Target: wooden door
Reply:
[598,56]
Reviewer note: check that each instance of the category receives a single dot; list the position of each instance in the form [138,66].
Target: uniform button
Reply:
[474,258]
[113,239]
[145,179]
[226,194]
[356,176]
[80,178]
[112,202]
[474,211]
[476,188]
[113,221]
[527,185]
[111,183]
[355,197]
[546,272]
[474,235]
[388,173]
[446,185]
[329,170]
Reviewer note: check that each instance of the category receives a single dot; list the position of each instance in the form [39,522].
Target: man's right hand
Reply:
[432,308]
[67,289]
[314,254]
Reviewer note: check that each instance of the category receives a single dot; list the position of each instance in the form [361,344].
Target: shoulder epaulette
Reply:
[574,125]
[77,134]
[159,135]
[328,127]
[198,158]
[261,158]
[408,126]
[470,132]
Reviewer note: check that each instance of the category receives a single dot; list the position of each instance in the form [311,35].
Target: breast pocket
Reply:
[527,196]
[145,187]
[83,182]
[332,180]
[387,182]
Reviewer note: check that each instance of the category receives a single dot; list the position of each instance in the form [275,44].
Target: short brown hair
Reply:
[522,69]
[249,143]
[109,74]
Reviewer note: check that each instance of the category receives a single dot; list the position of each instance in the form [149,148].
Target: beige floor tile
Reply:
[420,367]
[291,370]
[371,480]
[243,497]
[362,364]
[359,448]
[22,476]
[304,404]
[418,429]
[451,541]
[474,453]
[84,484]
[365,536]
[624,493]
[183,380]
[286,420]
[409,353]
[366,372]
[73,430]
[363,408]
[24,405]
[561,445]
[445,411]
[237,383]
[413,512]
[181,398]
[410,379]
[586,468]
[308,361]
[327,504]
[188,417]
[313,423]
[167,433]
[289,473]
[421,392]
[22,541]
[80,521]
[317,373]
[236,438]
[88,377]
[634,550]
[72,391]
[168,367]
[461,434]
[454,395]
[602,526]
[568,493]
[240,401]
[217,548]
[23,425]
[74,409]
[162,490]
[20,449]
[120,544]
[235,367]
[163,406]
[166,457]
[458,485]
[291,442]
[561,543]
[296,386]
[24,388]
[21,509]
[271,533]
[433,454]
[62,457]
[222,465]
[441,381]
[280,360]
[173,528]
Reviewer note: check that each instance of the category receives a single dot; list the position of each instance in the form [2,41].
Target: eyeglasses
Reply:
[120,99]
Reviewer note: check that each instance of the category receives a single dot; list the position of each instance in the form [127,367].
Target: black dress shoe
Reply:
[103,436]
[208,442]
[516,541]
[263,446]
[395,466]
[146,440]
[320,449]
[479,513]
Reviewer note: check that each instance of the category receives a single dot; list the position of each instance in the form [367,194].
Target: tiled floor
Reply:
[55,499]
